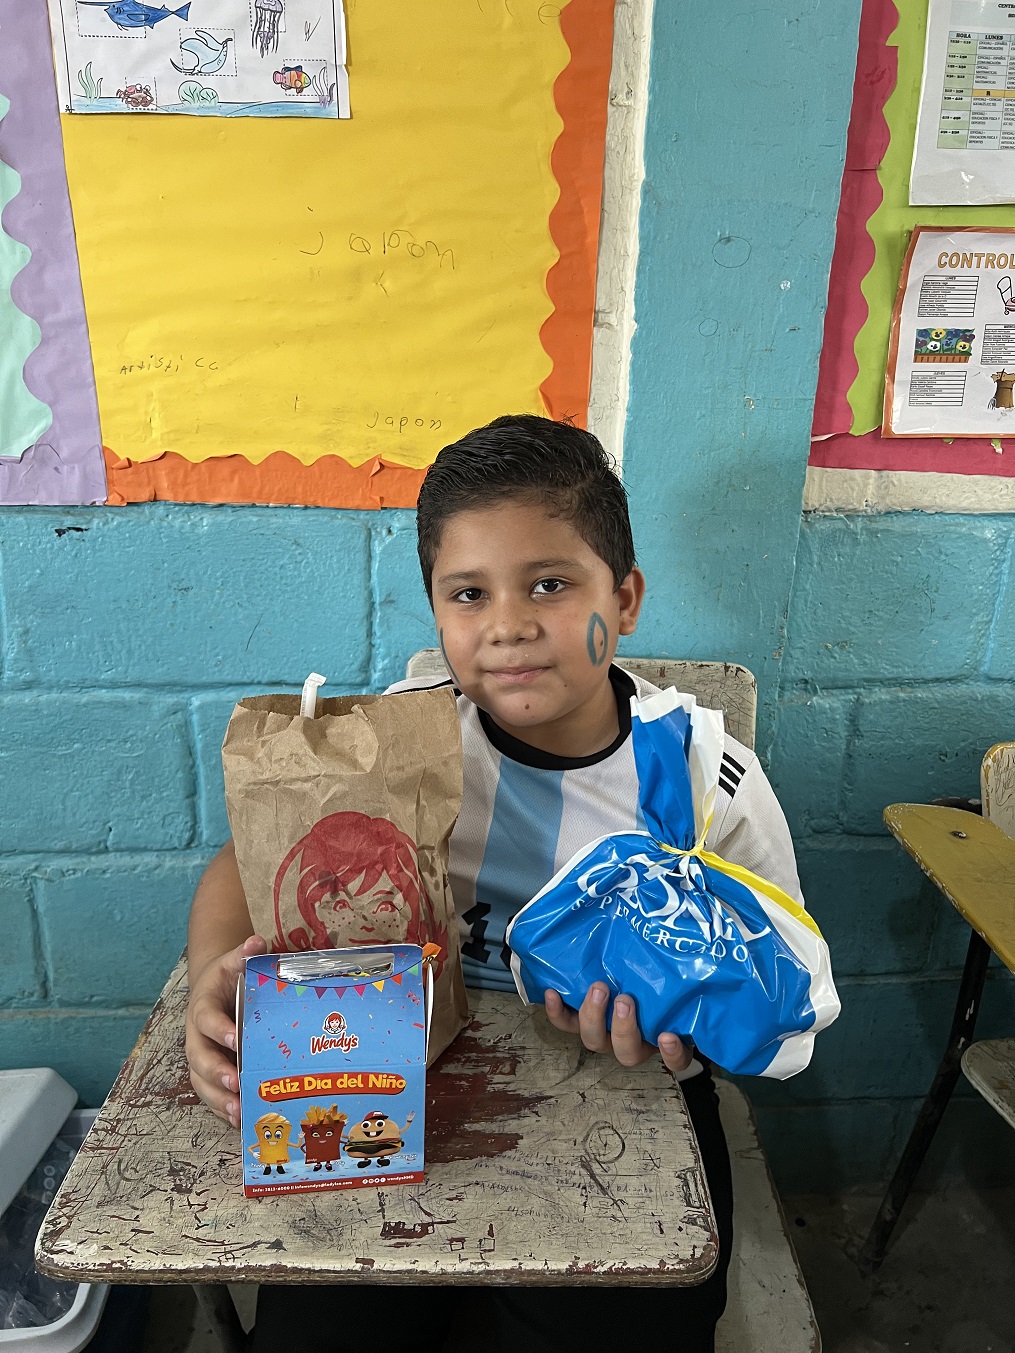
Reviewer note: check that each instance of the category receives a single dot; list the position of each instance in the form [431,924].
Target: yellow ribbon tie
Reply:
[744,876]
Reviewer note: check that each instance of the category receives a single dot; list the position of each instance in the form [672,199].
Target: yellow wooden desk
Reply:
[545,1164]
[973,863]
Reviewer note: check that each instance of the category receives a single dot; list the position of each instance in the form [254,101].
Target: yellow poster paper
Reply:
[370,288]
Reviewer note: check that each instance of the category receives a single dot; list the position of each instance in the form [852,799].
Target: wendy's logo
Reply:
[352,880]
[335,1023]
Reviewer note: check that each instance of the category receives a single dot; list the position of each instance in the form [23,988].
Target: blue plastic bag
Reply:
[707,949]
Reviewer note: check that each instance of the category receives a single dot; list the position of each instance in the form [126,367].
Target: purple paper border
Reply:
[66,465]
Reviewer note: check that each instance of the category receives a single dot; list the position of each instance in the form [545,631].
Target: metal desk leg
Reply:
[963,1022]
[217,1305]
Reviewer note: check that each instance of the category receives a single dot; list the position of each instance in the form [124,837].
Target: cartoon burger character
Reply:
[321,1136]
[375,1137]
[272,1145]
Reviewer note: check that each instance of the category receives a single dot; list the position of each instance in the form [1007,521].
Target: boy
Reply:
[527,558]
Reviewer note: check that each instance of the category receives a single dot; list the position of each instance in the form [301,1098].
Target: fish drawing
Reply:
[133,14]
[292,77]
[206,53]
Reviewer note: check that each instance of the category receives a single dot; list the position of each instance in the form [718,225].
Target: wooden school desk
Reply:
[972,862]
[545,1165]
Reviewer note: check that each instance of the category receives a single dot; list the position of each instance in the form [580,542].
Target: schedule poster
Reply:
[951,357]
[964,153]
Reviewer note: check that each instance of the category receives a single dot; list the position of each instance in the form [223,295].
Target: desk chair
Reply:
[971,860]
[990,1066]
[768,1307]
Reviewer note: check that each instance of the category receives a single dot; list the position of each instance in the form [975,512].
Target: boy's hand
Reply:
[211,1028]
[624,1040]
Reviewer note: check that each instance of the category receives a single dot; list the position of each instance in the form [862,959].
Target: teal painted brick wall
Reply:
[899,674]
[885,648]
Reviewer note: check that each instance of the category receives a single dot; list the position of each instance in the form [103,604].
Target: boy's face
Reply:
[528,619]
[380,915]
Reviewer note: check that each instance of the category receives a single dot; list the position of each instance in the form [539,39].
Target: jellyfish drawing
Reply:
[267,17]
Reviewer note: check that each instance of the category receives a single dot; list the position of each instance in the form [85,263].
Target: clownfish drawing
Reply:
[292,77]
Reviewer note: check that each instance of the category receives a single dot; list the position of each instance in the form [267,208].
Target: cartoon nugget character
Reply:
[321,1136]
[272,1146]
[375,1137]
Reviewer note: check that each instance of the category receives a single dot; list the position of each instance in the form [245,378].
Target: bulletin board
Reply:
[873,231]
[305,311]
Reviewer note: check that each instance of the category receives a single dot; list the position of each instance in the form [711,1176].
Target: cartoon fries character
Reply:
[320,1137]
[375,1137]
[272,1145]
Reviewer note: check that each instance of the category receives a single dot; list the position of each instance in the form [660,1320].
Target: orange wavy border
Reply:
[278,480]
[581,96]
[581,93]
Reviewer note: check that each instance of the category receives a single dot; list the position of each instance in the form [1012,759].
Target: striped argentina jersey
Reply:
[525,813]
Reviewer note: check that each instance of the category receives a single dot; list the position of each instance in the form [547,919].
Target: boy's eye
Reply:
[549,587]
[468,594]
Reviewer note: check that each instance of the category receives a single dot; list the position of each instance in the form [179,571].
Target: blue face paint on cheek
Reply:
[597,639]
[447,660]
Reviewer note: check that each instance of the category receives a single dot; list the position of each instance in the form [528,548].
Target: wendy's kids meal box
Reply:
[332,1058]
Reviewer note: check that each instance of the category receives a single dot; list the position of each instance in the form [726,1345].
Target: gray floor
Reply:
[946,1286]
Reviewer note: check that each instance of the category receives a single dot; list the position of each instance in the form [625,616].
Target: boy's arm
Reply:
[219,940]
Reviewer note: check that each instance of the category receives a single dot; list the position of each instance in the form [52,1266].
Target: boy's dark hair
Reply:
[561,467]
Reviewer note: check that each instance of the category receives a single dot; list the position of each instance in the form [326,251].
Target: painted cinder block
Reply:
[167,594]
[715,465]
[1001,662]
[112,929]
[873,905]
[807,760]
[888,1040]
[911,746]
[209,717]
[403,620]
[86,1046]
[887,598]
[816,1148]
[973,1144]
[21,979]
[94,772]
[812,1147]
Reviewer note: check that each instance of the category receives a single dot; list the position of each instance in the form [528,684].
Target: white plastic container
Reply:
[71,1332]
[28,1099]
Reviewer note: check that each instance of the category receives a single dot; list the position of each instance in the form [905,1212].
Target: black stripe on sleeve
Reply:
[735,769]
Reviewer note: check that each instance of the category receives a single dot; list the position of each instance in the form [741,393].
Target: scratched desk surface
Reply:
[544,1164]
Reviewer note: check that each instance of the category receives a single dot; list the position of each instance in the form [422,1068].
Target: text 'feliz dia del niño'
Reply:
[339,1083]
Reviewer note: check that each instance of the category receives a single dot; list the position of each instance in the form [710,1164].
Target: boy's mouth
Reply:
[516,676]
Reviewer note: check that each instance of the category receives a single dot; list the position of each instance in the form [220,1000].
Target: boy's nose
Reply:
[512,623]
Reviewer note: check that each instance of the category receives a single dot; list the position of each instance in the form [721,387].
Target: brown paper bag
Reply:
[341,826]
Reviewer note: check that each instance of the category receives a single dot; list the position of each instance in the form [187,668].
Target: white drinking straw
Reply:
[308,704]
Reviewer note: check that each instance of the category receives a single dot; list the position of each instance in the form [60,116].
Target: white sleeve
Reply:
[753,832]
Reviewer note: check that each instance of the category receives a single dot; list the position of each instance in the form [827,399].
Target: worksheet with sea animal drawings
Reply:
[218,58]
